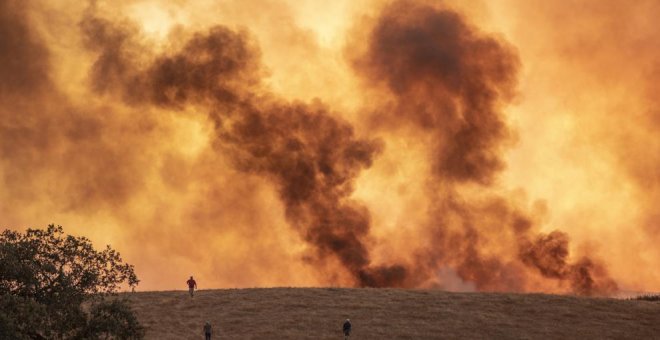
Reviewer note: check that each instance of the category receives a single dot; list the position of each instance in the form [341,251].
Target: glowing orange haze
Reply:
[508,145]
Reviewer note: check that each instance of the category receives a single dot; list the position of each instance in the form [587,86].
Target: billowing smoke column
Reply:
[548,253]
[312,157]
[450,81]
[446,78]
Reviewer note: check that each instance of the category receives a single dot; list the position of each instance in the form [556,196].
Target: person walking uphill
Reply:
[207,330]
[347,329]
[192,285]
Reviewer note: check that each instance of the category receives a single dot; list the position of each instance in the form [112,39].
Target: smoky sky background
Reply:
[493,146]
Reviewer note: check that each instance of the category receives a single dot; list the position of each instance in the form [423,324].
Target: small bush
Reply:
[648,297]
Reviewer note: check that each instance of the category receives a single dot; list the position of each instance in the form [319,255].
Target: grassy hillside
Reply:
[297,313]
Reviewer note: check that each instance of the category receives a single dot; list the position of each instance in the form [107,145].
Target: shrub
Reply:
[648,297]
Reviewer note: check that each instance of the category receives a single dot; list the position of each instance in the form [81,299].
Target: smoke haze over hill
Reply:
[386,144]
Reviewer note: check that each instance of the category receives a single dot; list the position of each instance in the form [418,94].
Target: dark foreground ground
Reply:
[318,313]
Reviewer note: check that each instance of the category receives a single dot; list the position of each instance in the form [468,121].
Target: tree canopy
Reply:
[57,286]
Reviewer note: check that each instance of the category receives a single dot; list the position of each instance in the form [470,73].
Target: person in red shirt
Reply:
[192,285]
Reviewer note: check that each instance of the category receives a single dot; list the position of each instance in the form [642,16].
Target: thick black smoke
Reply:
[447,78]
[310,155]
[451,81]
[549,254]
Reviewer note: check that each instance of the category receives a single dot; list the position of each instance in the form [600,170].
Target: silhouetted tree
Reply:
[56,286]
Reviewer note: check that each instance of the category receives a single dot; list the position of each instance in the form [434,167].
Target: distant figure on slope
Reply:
[347,329]
[207,330]
[192,285]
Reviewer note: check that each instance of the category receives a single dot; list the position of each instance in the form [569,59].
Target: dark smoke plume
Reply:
[549,253]
[447,78]
[451,81]
[312,157]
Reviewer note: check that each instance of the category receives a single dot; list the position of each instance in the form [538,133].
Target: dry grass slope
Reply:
[317,313]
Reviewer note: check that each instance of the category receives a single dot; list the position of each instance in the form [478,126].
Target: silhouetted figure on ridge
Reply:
[191,286]
[208,330]
[347,329]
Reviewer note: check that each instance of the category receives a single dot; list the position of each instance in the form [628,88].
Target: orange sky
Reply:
[496,145]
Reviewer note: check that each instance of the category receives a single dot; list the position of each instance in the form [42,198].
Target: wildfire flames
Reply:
[505,146]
